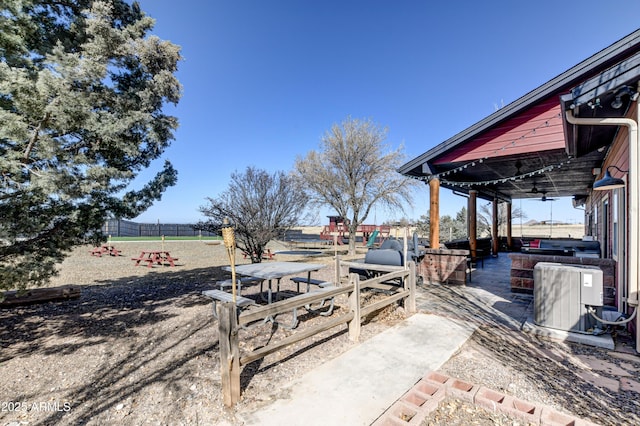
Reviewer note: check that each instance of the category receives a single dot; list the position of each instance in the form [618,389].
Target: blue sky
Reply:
[264,80]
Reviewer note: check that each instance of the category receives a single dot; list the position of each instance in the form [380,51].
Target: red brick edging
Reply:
[426,395]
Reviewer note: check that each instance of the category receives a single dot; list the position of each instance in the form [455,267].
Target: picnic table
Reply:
[265,255]
[104,249]
[275,271]
[159,257]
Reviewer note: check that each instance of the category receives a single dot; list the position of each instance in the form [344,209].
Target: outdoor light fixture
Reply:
[626,90]
[608,181]
[617,103]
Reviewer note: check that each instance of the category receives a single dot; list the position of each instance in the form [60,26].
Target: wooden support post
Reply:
[229,352]
[494,228]
[434,213]
[509,230]
[473,224]
[411,300]
[338,271]
[405,246]
[354,306]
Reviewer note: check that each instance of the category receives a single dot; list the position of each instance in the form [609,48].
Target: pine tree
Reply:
[82,90]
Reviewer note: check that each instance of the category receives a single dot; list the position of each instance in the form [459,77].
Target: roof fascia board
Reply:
[553,86]
[615,77]
[626,72]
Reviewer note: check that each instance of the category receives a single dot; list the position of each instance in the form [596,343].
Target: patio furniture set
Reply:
[272,274]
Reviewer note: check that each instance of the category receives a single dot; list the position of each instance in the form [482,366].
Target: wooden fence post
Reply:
[229,352]
[354,306]
[411,301]
[338,271]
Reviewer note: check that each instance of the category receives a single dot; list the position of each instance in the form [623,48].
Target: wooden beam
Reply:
[229,352]
[294,338]
[354,307]
[289,304]
[494,228]
[376,306]
[374,267]
[410,305]
[434,213]
[39,295]
[509,230]
[473,224]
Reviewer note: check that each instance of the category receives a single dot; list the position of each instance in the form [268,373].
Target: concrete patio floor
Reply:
[344,390]
[490,286]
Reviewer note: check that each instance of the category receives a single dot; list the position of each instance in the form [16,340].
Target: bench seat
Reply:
[312,281]
[241,281]
[223,296]
[142,259]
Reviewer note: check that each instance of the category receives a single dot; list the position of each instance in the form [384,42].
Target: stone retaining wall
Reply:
[444,266]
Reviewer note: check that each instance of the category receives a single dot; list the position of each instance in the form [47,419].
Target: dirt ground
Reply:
[140,344]
[140,347]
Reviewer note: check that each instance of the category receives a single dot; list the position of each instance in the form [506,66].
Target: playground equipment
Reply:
[370,234]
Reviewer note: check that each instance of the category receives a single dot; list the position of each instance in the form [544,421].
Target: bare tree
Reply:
[260,206]
[485,216]
[353,171]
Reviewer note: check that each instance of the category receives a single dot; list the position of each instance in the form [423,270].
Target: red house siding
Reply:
[540,126]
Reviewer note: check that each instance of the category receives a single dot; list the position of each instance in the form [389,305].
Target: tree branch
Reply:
[35,136]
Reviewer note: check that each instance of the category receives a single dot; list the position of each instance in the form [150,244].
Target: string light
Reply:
[473,163]
[495,181]
[501,180]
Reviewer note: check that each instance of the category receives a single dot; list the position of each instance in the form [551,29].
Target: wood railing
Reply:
[229,321]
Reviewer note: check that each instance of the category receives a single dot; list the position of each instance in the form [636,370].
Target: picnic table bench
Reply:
[310,282]
[152,257]
[104,249]
[293,303]
[240,282]
[223,296]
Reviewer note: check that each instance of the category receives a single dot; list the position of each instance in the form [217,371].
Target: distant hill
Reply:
[534,222]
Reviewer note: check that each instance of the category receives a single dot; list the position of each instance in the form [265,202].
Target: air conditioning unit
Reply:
[562,293]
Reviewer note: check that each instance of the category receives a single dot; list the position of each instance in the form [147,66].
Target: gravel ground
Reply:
[594,384]
[140,347]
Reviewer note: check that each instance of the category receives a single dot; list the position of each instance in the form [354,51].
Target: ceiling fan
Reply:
[534,190]
[544,197]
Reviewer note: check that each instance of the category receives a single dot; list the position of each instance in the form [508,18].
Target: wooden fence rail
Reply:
[229,322]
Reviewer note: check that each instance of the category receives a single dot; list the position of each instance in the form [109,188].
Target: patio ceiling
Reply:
[528,175]
[525,157]
[527,149]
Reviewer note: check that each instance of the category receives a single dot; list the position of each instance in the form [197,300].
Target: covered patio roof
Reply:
[527,149]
